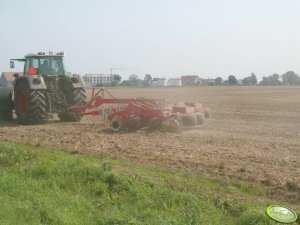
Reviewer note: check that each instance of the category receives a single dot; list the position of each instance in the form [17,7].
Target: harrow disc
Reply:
[171,125]
[154,124]
[189,120]
[135,123]
[116,124]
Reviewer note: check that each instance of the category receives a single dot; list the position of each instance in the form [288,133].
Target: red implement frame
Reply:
[144,108]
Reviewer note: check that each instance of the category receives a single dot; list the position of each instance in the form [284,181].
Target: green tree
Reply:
[232,80]
[219,81]
[133,80]
[251,80]
[290,78]
[254,79]
[247,81]
[271,80]
[133,77]
[148,79]
[117,78]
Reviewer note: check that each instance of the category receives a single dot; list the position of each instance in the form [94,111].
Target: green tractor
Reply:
[42,90]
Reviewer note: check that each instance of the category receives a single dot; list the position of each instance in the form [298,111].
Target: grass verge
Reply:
[40,186]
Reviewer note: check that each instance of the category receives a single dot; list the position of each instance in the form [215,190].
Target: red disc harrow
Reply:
[132,113]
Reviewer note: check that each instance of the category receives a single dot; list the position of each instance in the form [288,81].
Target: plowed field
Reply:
[253,134]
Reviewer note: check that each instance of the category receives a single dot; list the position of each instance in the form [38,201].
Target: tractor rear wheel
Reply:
[6,108]
[75,96]
[30,104]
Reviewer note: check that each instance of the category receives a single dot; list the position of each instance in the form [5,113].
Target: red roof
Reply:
[190,78]
[9,76]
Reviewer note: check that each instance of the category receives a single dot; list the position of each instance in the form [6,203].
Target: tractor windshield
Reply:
[47,65]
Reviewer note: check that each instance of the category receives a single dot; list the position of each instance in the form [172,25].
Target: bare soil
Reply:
[253,134]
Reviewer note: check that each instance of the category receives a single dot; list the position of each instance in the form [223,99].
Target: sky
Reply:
[164,38]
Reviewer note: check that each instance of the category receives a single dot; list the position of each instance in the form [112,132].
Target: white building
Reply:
[158,82]
[98,78]
[174,82]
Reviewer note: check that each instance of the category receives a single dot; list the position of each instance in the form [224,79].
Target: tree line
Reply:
[133,80]
[288,78]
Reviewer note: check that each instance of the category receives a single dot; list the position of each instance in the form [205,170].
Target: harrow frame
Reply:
[135,113]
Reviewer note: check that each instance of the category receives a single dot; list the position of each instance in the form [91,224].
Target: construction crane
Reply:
[120,68]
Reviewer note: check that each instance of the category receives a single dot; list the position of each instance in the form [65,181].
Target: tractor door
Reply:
[31,66]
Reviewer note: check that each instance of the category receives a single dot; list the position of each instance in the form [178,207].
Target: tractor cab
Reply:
[42,64]
[43,89]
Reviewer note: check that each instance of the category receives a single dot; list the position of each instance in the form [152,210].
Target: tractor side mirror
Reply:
[12,64]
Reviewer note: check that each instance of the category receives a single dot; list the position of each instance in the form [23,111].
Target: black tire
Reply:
[6,108]
[135,123]
[74,96]
[116,125]
[189,119]
[30,105]
[171,125]
[177,116]
[200,118]
[154,124]
[206,112]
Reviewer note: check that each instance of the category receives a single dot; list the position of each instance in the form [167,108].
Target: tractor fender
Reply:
[5,92]
[80,83]
[34,81]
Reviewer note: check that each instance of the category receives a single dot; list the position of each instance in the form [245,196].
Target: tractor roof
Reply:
[43,54]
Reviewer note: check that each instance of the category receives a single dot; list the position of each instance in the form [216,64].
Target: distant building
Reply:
[190,80]
[207,81]
[174,82]
[158,82]
[96,79]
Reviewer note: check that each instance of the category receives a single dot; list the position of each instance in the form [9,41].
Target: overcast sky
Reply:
[166,38]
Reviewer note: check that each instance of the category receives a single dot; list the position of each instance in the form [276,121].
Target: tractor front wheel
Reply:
[30,105]
[74,96]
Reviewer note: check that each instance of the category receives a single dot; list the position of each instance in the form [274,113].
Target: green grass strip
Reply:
[41,186]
